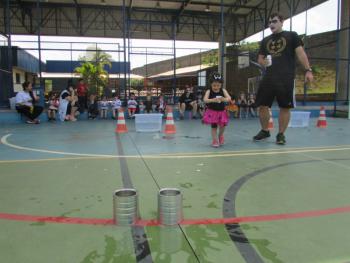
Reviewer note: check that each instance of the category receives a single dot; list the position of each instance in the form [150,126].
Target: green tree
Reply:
[137,84]
[247,46]
[92,69]
[211,58]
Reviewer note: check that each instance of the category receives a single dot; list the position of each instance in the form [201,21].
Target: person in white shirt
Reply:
[25,103]
[104,107]
[116,105]
[67,107]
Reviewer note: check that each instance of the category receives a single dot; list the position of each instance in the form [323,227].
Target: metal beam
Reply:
[205,3]
[181,10]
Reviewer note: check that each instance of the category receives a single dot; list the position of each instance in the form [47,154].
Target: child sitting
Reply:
[104,107]
[53,107]
[251,106]
[243,105]
[200,105]
[116,105]
[132,105]
[148,102]
[142,107]
[161,104]
[92,107]
[232,107]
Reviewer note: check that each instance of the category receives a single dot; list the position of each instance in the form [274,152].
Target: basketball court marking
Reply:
[234,230]
[199,221]
[326,161]
[188,155]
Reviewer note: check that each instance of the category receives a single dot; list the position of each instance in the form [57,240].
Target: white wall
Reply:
[18,86]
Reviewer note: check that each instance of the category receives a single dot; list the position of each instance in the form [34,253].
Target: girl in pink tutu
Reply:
[215,114]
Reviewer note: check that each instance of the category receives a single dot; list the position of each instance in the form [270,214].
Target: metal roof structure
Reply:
[197,20]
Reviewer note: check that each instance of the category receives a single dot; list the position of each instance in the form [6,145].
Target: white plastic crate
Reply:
[12,103]
[299,119]
[148,122]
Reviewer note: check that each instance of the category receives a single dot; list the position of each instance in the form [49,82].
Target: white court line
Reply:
[190,155]
[5,142]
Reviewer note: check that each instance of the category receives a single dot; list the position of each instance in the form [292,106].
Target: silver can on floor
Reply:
[170,206]
[125,207]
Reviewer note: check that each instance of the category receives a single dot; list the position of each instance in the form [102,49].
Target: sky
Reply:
[321,18]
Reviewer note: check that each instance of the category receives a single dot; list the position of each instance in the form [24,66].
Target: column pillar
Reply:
[222,61]
[344,45]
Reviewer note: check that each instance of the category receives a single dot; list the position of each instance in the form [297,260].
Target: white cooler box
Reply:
[299,119]
[148,122]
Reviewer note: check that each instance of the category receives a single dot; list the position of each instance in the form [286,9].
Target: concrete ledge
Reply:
[12,116]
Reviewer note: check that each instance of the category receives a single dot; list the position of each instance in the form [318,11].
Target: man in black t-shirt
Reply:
[187,101]
[277,54]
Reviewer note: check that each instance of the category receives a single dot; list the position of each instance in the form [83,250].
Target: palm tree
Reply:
[92,69]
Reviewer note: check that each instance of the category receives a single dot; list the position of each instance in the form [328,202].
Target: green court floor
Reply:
[287,204]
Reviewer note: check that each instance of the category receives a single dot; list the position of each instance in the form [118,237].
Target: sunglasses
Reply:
[274,21]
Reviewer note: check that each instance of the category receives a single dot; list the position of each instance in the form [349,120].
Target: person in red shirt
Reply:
[82,91]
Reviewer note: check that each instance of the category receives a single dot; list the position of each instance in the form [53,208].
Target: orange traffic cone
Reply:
[270,127]
[121,126]
[322,122]
[169,124]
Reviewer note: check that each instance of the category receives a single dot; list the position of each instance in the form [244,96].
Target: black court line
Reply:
[235,231]
[158,186]
[141,245]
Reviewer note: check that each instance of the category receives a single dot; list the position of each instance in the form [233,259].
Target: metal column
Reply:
[174,60]
[222,39]
[337,59]
[305,44]
[9,92]
[39,38]
[124,48]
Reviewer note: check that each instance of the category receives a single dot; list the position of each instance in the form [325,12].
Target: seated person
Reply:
[242,105]
[161,104]
[132,105]
[187,101]
[251,105]
[104,107]
[116,105]
[92,107]
[200,104]
[142,107]
[25,103]
[53,107]
[148,102]
[232,107]
[68,107]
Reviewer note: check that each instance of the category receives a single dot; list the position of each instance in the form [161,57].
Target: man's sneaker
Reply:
[215,144]
[280,139]
[181,117]
[221,140]
[262,135]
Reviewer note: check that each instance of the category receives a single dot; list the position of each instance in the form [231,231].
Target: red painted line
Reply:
[154,222]
[267,218]
[57,219]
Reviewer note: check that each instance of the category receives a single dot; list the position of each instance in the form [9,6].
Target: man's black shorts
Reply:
[281,89]
[188,105]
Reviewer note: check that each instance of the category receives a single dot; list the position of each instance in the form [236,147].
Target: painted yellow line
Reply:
[258,150]
[189,155]
[55,159]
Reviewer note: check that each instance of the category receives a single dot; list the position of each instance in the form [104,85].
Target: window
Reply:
[202,78]
[18,78]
